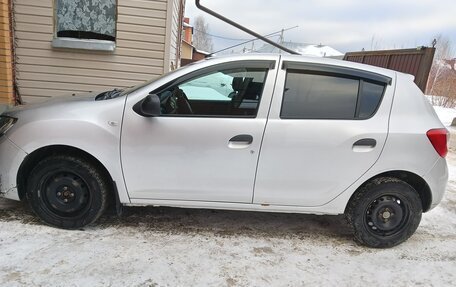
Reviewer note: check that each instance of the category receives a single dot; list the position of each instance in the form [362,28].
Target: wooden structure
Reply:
[6,54]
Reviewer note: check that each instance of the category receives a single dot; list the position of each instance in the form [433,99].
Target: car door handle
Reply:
[364,145]
[366,142]
[240,141]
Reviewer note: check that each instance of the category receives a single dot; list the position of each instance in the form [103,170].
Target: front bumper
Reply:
[437,179]
[11,157]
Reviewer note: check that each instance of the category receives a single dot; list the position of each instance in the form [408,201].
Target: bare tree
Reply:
[201,38]
[442,78]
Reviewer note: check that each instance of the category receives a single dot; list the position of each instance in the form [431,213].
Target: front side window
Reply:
[321,96]
[86,19]
[223,93]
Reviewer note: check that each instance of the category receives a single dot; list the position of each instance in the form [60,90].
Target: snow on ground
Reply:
[178,247]
[175,247]
[446,115]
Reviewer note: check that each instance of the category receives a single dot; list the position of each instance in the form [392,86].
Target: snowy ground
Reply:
[177,247]
[446,115]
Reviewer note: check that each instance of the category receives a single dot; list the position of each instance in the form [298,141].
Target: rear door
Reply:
[327,127]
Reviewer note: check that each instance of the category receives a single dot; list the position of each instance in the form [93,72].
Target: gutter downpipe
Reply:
[254,34]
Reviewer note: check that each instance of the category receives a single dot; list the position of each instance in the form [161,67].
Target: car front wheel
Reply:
[384,213]
[67,192]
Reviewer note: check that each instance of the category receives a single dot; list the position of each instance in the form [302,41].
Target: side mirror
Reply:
[148,107]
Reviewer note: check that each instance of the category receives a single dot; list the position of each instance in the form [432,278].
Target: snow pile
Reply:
[446,115]
[319,51]
[447,64]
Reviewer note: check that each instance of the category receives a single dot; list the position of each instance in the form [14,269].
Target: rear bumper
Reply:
[11,158]
[437,179]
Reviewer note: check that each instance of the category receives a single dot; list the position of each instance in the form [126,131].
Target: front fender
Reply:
[93,127]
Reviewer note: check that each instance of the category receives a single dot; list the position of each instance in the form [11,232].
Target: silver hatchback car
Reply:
[255,132]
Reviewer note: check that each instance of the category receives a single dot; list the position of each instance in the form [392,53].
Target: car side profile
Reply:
[255,132]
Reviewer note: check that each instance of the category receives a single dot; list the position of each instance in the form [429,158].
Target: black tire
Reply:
[384,213]
[67,192]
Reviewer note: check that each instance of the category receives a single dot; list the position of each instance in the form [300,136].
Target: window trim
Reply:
[268,65]
[251,64]
[336,75]
[337,70]
[84,44]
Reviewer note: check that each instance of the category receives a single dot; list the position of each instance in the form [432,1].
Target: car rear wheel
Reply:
[67,192]
[384,213]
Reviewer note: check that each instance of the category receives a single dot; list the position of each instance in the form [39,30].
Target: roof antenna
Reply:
[254,34]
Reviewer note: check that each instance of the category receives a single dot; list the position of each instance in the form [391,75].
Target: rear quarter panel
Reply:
[407,147]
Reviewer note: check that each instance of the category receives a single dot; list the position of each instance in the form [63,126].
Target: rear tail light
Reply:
[439,139]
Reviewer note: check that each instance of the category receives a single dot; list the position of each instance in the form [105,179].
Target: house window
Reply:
[85,20]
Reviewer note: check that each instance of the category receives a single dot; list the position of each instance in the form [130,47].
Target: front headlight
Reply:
[6,123]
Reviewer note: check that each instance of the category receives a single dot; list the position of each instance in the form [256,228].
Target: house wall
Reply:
[6,59]
[174,30]
[145,46]
[186,51]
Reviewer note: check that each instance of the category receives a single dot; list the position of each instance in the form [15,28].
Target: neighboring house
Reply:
[187,47]
[73,46]
[189,53]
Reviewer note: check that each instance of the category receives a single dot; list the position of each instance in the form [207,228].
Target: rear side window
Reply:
[320,96]
[371,95]
[310,96]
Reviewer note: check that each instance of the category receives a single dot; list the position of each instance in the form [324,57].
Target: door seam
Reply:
[265,126]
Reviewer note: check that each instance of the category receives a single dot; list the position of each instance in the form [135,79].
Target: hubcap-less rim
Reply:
[65,194]
[386,215]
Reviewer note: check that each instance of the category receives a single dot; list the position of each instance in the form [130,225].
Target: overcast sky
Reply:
[346,25]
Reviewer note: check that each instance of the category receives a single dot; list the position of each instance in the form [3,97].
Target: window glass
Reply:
[224,93]
[371,95]
[216,87]
[86,19]
[311,96]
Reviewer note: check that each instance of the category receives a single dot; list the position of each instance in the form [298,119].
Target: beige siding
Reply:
[44,71]
[175,10]
[6,59]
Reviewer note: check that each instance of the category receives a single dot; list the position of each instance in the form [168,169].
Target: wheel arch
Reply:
[37,155]
[414,180]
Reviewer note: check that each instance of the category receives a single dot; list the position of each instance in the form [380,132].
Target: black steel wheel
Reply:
[67,192]
[384,213]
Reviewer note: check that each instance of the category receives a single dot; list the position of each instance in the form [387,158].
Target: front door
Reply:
[206,143]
